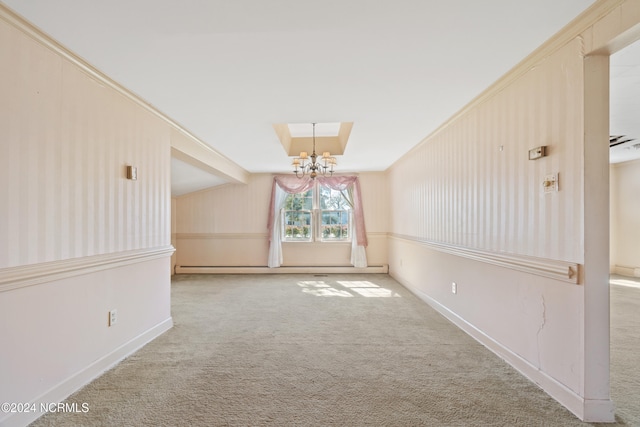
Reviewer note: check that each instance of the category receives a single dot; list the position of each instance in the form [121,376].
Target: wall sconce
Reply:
[132,173]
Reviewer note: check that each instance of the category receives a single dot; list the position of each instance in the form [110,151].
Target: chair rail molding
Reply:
[554,269]
[34,274]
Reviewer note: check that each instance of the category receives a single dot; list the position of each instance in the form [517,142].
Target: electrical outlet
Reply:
[113,317]
[550,183]
[454,288]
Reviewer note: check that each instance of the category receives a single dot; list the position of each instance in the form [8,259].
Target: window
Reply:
[335,215]
[297,217]
[320,214]
[317,215]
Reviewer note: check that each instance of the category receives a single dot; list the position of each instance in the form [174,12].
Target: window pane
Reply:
[335,225]
[332,199]
[299,201]
[297,225]
[297,217]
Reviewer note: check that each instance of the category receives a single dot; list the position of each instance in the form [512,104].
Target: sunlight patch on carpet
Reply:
[320,289]
[358,288]
[368,289]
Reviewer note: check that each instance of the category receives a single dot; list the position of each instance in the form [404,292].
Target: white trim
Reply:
[279,270]
[256,236]
[34,274]
[70,385]
[221,236]
[554,269]
[594,411]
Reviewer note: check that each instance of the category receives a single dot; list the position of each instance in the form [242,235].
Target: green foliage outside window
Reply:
[300,201]
[333,216]
[297,225]
[335,224]
[332,199]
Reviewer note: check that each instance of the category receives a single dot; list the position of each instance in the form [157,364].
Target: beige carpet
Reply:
[301,350]
[625,348]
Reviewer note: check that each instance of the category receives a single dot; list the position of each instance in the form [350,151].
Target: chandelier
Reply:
[302,166]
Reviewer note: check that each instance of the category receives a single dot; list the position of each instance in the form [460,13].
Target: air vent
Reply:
[618,139]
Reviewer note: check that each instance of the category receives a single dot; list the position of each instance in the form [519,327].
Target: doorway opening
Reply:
[624,229]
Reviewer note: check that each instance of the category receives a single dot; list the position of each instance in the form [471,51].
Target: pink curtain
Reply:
[292,184]
[342,183]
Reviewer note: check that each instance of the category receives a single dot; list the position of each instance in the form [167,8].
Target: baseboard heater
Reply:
[186,269]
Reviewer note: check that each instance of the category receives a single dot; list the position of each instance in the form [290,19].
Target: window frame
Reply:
[285,223]
[316,225]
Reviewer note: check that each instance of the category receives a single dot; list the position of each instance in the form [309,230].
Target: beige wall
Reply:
[613,218]
[174,243]
[625,218]
[66,139]
[77,239]
[472,184]
[227,226]
[487,195]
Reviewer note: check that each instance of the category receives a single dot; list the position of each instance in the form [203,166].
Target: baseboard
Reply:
[626,271]
[584,409]
[67,387]
[179,269]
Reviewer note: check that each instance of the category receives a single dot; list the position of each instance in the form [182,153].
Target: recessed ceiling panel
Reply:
[300,130]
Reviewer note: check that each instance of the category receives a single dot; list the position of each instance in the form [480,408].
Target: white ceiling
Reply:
[625,102]
[186,178]
[228,70]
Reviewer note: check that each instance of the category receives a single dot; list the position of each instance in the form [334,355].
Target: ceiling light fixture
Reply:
[324,165]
